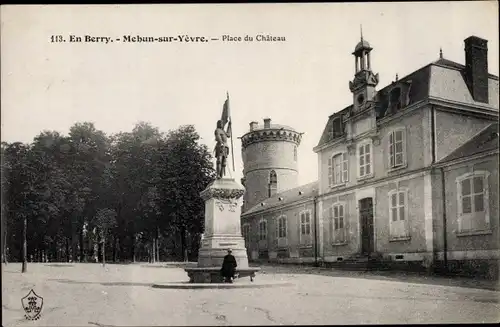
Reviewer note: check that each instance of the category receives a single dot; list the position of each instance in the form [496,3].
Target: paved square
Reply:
[122,295]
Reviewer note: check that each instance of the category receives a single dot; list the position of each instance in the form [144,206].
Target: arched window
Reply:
[305,228]
[262,230]
[338,223]
[397,148]
[365,159]
[281,231]
[338,169]
[273,183]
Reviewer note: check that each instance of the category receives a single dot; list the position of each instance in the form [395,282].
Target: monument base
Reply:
[222,232]
[213,275]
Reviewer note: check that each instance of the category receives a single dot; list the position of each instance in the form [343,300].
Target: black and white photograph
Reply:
[236,164]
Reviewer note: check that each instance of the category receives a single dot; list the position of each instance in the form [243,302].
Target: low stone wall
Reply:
[479,268]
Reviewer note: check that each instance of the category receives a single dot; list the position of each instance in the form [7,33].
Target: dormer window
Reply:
[395,99]
[408,92]
[336,128]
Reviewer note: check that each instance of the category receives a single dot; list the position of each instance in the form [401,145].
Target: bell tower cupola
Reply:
[365,81]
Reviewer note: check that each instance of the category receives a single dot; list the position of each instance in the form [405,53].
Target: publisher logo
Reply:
[32,305]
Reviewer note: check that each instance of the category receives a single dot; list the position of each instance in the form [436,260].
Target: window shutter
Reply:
[391,149]
[403,137]
[308,223]
[330,172]
[368,156]
[302,223]
[407,220]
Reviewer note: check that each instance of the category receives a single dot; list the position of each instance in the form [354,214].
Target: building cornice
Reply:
[246,171]
[271,134]
[278,208]
[459,107]
[403,112]
[338,192]
[337,141]
[467,159]
[367,183]
[484,111]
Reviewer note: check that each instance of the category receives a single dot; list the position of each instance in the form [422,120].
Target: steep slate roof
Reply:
[486,140]
[289,196]
[441,79]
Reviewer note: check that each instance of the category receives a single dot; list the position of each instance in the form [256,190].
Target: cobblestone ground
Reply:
[122,295]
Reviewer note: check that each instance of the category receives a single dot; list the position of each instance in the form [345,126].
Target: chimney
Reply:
[267,122]
[253,125]
[476,67]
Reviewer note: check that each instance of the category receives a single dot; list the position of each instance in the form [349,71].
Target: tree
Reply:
[20,165]
[185,170]
[134,180]
[88,160]
[105,219]
[139,189]
[53,190]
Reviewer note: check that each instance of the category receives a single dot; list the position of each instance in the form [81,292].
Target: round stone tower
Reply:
[269,155]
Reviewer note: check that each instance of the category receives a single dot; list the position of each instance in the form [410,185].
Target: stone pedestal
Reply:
[223,199]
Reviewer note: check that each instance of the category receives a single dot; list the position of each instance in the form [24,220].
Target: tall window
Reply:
[337,216]
[305,223]
[398,209]
[262,230]
[364,159]
[273,183]
[473,208]
[397,148]
[281,227]
[338,169]
[246,233]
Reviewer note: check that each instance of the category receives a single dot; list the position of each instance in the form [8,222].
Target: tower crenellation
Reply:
[269,154]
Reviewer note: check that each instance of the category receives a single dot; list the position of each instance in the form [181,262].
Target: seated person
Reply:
[228,267]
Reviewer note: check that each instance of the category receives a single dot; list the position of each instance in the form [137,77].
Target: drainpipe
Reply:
[445,238]
[443,188]
[433,136]
[315,232]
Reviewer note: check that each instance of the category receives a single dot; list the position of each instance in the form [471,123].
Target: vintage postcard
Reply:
[250,164]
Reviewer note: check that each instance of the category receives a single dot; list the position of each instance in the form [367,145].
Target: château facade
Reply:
[406,173]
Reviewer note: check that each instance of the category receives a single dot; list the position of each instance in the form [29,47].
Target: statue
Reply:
[221,149]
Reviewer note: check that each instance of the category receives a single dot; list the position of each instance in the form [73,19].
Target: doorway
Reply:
[366,223]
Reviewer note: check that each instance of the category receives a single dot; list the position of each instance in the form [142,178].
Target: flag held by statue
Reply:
[226,117]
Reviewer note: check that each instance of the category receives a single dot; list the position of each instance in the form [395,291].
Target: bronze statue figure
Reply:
[221,149]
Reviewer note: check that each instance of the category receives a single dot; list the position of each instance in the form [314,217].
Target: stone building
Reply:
[407,173]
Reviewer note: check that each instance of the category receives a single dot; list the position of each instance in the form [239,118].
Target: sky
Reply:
[298,82]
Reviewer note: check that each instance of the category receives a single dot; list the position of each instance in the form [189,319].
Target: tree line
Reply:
[88,196]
